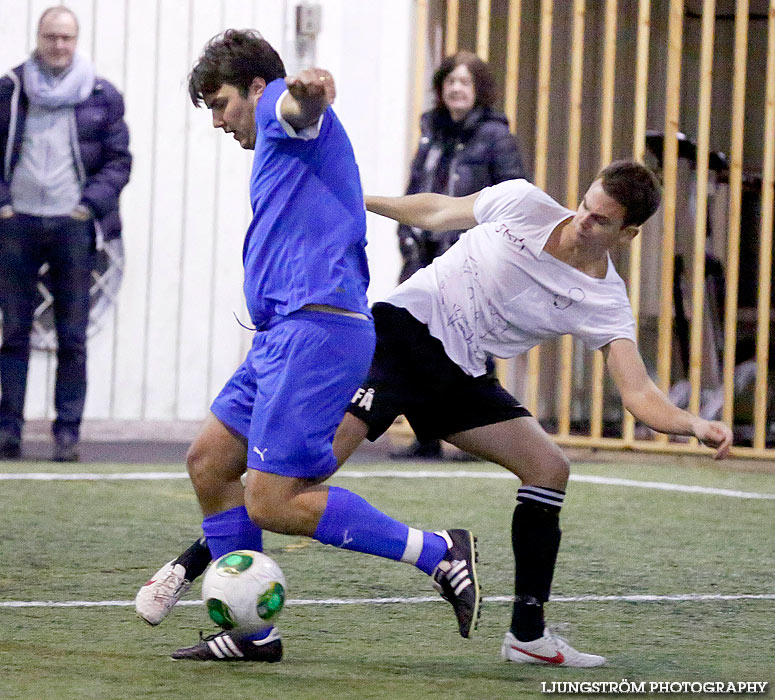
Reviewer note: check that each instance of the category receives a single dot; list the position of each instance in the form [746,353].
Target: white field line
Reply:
[388,474]
[680,598]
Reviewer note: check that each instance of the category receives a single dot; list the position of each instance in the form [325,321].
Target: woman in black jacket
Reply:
[465,146]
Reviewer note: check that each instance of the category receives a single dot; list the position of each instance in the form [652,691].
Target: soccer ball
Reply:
[244,589]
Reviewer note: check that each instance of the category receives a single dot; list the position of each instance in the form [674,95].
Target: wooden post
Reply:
[483,30]
[544,87]
[606,148]
[511,88]
[638,152]
[572,196]
[453,20]
[765,245]
[701,220]
[420,40]
[735,208]
[510,92]
[539,176]
[670,171]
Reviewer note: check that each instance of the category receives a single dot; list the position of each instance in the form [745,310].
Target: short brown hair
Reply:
[484,80]
[635,187]
[234,57]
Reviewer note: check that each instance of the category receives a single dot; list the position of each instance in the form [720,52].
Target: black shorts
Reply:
[411,375]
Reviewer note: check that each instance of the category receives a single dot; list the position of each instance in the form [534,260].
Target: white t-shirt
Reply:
[496,291]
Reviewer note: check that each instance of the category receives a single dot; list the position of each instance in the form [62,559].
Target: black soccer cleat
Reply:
[230,646]
[455,578]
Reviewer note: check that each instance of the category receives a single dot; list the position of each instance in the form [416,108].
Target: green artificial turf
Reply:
[100,540]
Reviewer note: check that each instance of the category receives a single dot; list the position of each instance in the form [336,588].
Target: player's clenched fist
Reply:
[312,83]
[714,434]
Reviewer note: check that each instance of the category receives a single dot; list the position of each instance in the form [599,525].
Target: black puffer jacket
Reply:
[456,158]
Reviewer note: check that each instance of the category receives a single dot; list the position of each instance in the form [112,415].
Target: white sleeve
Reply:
[306,134]
[599,330]
[501,202]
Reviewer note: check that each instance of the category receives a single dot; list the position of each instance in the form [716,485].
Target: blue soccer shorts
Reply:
[289,395]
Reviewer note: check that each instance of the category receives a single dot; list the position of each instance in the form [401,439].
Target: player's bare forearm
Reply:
[428,211]
[309,94]
[413,210]
[651,406]
[654,409]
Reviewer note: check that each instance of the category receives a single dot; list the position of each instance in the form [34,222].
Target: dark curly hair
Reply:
[484,80]
[234,57]
[633,186]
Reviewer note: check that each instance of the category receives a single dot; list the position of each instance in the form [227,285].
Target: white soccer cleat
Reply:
[157,597]
[549,650]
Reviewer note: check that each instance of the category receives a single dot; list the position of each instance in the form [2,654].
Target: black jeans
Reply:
[26,242]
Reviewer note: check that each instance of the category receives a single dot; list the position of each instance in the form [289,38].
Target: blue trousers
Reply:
[26,242]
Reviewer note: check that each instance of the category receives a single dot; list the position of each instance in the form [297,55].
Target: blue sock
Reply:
[230,530]
[350,522]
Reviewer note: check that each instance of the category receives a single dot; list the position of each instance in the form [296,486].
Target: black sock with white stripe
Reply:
[535,539]
[541,496]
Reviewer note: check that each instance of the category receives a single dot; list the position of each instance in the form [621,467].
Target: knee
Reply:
[557,468]
[290,508]
[202,465]
[550,470]
[264,512]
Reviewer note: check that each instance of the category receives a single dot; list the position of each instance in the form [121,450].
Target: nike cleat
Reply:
[230,646]
[455,578]
[157,597]
[548,650]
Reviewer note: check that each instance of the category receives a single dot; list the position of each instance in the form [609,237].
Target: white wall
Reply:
[172,340]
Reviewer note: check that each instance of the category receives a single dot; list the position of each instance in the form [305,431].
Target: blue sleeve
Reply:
[266,112]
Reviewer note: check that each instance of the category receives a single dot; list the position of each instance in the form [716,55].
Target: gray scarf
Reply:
[66,89]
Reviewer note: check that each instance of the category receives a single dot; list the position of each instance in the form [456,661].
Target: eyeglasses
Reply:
[66,38]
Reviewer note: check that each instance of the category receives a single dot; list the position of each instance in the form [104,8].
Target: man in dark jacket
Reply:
[64,150]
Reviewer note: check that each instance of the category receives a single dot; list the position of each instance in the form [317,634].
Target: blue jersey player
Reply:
[305,285]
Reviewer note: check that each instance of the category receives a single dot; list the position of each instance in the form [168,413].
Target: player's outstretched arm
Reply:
[428,211]
[651,406]
[309,93]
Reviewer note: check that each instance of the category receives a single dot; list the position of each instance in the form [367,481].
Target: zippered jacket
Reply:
[101,152]
[456,159]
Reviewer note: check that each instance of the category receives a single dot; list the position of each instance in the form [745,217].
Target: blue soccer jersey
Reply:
[306,242]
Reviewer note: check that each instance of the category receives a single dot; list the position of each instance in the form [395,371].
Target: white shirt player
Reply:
[497,291]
